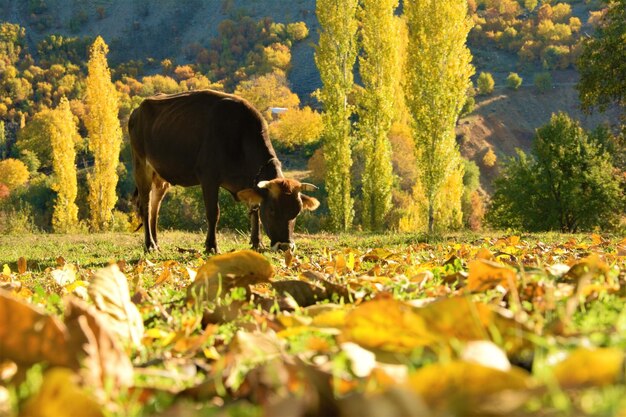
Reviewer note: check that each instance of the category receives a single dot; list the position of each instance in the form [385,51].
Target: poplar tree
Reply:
[379,69]
[63,135]
[105,136]
[438,71]
[335,58]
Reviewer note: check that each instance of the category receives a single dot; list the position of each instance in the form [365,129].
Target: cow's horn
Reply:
[263,184]
[305,186]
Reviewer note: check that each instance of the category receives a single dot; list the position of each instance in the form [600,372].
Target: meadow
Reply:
[349,324]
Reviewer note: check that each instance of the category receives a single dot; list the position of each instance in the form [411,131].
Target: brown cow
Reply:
[214,140]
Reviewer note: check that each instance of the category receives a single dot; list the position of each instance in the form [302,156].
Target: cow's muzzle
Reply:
[284,246]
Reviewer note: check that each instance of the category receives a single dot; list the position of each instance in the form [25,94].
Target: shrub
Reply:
[485,83]
[490,158]
[297,127]
[543,82]
[513,81]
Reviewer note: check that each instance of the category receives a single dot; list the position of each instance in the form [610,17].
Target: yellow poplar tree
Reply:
[379,68]
[438,71]
[105,136]
[335,58]
[63,136]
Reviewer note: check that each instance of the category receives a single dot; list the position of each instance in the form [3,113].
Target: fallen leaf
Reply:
[465,386]
[387,324]
[484,275]
[362,361]
[65,275]
[61,395]
[109,292]
[590,367]
[29,336]
[92,339]
[487,354]
[303,293]
[21,265]
[221,273]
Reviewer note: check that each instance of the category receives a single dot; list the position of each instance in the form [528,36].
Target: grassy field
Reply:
[353,324]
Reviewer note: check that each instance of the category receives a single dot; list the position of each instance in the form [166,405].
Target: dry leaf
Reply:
[65,275]
[484,275]
[487,354]
[104,359]
[465,386]
[387,324]
[21,265]
[221,273]
[362,361]
[109,292]
[61,395]
[303,293]
[595,367]
[28,335]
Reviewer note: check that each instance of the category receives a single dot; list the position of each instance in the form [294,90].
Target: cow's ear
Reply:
[250,196]
[309,203]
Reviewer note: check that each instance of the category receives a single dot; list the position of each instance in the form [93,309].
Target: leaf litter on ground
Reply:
[455,327]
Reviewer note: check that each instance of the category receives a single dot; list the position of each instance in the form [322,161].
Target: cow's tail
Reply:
[135,201]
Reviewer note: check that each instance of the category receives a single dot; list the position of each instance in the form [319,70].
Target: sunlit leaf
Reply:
[387,324]
[65,275]
[362,361]
[21,265]
[595,367]
[109,292]
[231,270]
[102,355]
[484,275]
[464,386]
[487,354]
[61,395]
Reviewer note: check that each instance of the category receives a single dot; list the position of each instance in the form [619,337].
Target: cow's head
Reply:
[280,201]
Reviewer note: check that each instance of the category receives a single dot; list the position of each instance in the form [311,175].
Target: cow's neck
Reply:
[270,170]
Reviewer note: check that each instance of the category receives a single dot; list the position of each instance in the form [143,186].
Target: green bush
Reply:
[567,159]
[485,83]
[543,82]
[513,81]
[183,209]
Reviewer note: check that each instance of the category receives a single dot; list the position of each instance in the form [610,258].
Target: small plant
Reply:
[490,159]
[513,81]
[485,83]
[543,82]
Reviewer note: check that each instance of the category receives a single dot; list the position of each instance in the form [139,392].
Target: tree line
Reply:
[383,146]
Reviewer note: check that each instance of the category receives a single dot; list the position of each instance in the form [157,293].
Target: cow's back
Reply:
[191,137]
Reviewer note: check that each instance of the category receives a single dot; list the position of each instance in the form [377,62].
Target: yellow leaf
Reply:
[6,270]
[592,264]
[224,272]
[464,384]
[594,367]
[484,275]
[61,395]
[109,292]
[387,324]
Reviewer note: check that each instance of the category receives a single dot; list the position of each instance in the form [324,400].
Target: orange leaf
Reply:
[484,275]
[21,265]
[28,335]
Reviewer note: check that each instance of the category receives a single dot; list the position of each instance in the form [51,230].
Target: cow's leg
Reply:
[143,179]
[255,222]
[210,192]
[157,192]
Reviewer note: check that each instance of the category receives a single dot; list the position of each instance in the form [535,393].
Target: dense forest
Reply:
[48,49]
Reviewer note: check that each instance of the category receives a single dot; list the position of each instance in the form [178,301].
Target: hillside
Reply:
[138,30]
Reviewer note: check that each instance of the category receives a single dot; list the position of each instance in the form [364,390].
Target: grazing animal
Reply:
[215,140]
